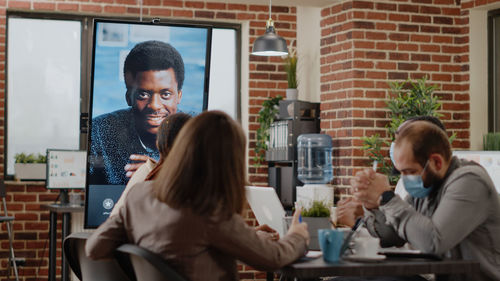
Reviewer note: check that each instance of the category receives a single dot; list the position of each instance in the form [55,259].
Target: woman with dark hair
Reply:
[169,128]
[191,213]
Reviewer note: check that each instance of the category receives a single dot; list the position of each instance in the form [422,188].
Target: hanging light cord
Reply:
[270,9]
[140,16]
[270,20]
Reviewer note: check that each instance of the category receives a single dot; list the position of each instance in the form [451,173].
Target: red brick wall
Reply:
[31,229]
[266,79]
[365,44]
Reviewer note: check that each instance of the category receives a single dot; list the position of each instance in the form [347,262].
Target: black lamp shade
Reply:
[270,44]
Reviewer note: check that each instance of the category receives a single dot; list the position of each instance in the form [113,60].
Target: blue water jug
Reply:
[314,158]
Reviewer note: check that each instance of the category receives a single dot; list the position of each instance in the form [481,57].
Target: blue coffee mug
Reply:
[330,241]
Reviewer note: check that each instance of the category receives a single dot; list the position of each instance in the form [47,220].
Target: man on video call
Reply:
[123,140]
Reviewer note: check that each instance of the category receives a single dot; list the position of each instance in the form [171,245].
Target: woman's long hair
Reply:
[168,131]
[205,169]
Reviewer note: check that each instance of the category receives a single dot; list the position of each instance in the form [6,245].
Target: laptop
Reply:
[266,207]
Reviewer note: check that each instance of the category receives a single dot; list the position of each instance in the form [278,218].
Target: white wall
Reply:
[478,78]
[308,50]
[223,87]
[479,74]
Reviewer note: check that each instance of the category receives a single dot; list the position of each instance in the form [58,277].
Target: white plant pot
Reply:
[30,171]
[292,94]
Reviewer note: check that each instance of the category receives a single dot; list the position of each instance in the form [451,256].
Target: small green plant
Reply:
[491,141]
[267,114]
[317,209]
[411,99]
[373,146]
[291,70]
[30,158]
[417,100]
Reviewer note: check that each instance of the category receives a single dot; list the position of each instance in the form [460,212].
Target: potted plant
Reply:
[266,117]
[30,166]
[291,76]
[317,216]
[411,98]
[491,141]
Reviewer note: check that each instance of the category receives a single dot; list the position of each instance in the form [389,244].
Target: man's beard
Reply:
[432,179]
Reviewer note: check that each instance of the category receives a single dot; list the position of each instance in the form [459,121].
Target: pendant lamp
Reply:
[270,44]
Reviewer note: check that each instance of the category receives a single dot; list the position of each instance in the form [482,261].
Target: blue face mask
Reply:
[415,185]
[391,153]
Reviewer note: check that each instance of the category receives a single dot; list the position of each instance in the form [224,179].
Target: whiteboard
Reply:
[490,160]
[66,168]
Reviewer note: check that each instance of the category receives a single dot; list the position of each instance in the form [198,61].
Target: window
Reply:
[48,80]
[43,86]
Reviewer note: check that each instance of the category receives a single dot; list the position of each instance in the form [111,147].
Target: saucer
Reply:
[365,258]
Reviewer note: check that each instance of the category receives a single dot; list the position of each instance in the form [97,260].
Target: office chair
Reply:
[147,265]
[85,268]
[8,220]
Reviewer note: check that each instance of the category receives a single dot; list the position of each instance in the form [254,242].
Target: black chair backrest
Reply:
[85,268]
[147,265]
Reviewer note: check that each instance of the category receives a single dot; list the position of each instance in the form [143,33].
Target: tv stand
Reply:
[63,197]
[65,210]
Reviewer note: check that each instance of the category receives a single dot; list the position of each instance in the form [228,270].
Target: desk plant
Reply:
[412,98]
[291,75]
[30,166]
[267,115]
[317,216]
[491,141]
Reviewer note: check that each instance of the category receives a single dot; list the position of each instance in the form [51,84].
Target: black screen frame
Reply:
[153,22]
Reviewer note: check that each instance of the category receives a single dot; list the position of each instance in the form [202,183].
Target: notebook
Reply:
[266,207]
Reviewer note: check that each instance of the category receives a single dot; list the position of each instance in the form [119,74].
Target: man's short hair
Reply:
[428,118]
[425,139]
[155,55]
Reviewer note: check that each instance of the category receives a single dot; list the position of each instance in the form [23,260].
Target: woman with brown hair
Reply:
[169,128]
[191,213]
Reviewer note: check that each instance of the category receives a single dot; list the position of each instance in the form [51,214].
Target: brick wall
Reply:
[31,229]
[266,79]
[365,44]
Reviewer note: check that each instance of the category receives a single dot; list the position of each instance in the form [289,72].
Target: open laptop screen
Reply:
[266,207]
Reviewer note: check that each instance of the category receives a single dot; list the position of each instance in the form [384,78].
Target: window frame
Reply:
[87,22]
[493,84]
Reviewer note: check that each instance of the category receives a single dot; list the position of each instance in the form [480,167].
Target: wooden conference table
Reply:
[314,268]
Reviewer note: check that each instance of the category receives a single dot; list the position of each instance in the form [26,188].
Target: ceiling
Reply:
[305,3]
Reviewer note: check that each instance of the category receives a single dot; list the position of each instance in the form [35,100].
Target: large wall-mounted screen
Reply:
[141,73]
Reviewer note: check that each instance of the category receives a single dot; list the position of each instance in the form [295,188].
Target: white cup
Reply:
[366,246]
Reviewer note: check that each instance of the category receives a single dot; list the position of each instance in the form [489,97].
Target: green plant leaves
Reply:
[267,114]
[317,209]
[30,158]
[291,70]
[410,99]
[491,141]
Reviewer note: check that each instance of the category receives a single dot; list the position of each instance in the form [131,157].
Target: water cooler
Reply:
[314,169]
